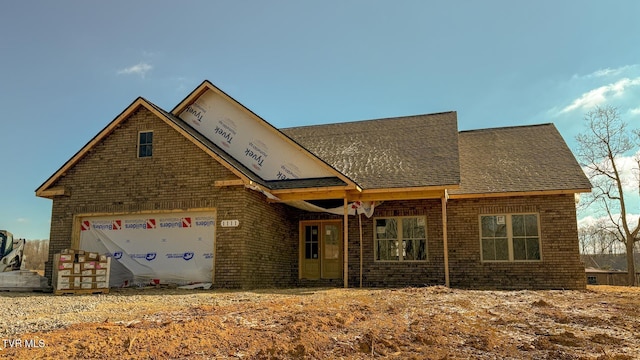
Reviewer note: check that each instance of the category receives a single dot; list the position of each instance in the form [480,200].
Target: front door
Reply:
[321,250]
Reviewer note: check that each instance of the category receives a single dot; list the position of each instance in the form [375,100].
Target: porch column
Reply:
[345,241]
[444,238]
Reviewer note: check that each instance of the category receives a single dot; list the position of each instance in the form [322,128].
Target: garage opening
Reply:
[172,248]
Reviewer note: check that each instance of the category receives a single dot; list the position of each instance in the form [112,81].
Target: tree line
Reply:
[35,254]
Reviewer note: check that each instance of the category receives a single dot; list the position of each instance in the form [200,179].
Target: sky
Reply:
[68,68]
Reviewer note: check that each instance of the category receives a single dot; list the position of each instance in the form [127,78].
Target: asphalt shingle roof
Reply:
[417,151]
[411,151]
[428,150]
[517,159]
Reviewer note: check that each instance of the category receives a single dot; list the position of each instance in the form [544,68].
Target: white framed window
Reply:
[145,144]
[400,238]
[510,237]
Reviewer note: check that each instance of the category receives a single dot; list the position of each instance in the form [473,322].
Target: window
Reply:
[145,144]
[311,242]
[400,239]
[512,237]
[592,280]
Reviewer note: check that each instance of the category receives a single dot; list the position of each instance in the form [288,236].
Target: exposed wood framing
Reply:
[445,240]
[55,191]
[399,194]
[318,194]
[520,193]
[396,194]
[234,182]
[345,251]
[353,195]
[413,189]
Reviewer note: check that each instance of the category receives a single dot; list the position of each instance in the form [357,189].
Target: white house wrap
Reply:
[171,247]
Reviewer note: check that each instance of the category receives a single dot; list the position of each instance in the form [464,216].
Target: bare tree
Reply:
[598,238]
[605,141]
[35,254]
[585,238]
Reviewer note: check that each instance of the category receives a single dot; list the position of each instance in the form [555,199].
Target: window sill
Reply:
[510,261]
[400,261]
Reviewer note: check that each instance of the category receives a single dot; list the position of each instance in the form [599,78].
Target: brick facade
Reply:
[387,273]
[560,267]
[263,251]
[271,240]
[111,179]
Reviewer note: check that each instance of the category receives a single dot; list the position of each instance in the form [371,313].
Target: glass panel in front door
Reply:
[310,261]
[311,242]
[332,241]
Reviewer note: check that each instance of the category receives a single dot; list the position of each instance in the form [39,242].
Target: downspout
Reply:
[445,243]
[345,251]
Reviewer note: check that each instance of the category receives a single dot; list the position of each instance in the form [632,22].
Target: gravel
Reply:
[33,312]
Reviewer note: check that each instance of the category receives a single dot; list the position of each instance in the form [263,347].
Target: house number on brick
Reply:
[229,223]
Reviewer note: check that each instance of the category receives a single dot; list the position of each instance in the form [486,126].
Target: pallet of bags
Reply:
[80,272]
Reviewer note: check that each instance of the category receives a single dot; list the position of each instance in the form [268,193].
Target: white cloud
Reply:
[629,171]
[628,168]
[600,95]
[22,220]
[138,69]
[635,111]
[589,220]
[606,72]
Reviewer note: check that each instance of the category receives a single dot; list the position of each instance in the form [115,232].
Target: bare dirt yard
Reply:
[410,323]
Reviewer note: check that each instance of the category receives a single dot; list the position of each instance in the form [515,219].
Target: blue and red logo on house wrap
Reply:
[184,222]
[101,225]
[147,223]
[136,224]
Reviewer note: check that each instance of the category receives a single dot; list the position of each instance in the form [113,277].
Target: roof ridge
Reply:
[368,120]
[507,127]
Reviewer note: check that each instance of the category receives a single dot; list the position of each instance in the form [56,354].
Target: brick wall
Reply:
[271,254]
[179,176]
[560,268]
[385,273]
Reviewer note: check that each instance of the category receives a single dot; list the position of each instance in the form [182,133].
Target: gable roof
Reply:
[44,189]
[250,174]
[516,159]
[615,262]
[260,127]
[402,152]
[201,141]
[412,156]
